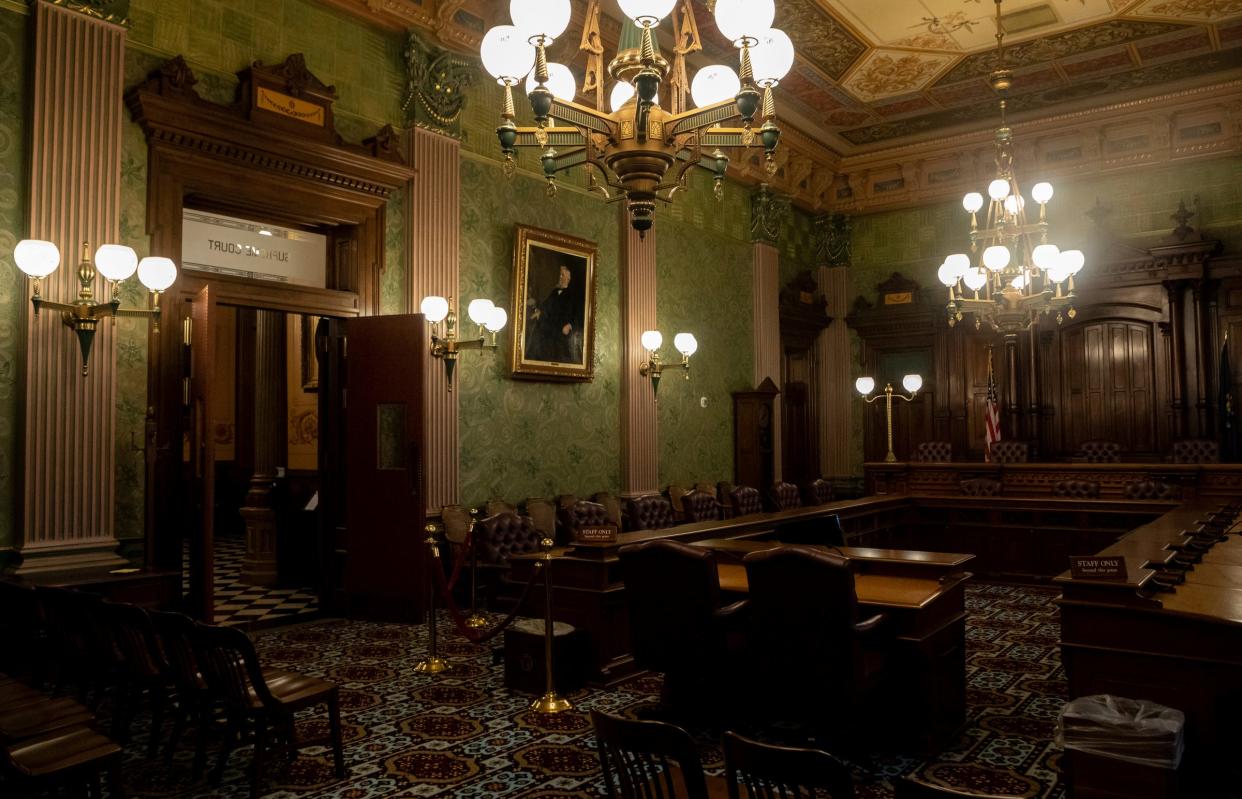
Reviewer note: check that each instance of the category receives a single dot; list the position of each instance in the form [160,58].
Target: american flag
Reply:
[991,414]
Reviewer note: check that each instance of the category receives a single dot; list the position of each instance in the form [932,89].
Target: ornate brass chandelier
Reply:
[1013,275]
[636,146]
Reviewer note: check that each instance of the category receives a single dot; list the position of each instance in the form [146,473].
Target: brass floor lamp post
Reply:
[550,702]
[866,385]
[433,663]
[476,620]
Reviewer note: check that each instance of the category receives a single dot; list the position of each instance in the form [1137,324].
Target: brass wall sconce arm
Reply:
[445,342]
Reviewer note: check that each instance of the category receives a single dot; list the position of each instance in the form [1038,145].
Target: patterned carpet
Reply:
[462,734]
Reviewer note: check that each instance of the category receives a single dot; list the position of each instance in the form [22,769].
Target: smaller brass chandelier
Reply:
[445,344]
[653,367]
[1013,274]
[38,259]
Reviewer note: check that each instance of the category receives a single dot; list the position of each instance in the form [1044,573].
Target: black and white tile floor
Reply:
[239,604]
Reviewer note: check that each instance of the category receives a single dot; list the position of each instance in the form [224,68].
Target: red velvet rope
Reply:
[459,618]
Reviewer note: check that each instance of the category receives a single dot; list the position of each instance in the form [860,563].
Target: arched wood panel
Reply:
[1108,379]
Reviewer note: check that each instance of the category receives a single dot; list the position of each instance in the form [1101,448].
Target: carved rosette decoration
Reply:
[436,82]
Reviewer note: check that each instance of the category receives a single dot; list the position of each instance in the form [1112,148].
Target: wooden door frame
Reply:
[239,159]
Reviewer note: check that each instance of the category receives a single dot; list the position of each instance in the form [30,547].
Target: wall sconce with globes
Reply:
[652,368]
[442,316]
[38,259]
[866,385]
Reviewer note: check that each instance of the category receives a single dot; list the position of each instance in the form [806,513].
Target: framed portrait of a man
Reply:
[553,306]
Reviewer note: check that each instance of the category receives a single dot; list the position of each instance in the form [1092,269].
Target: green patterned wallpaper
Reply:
[12,229]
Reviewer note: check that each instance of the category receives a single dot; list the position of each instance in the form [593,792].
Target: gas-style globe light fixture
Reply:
[442,316]
[639,149]
[38,259]
[1012,274]
[652,368]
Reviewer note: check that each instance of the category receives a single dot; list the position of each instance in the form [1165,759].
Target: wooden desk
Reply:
[864,560]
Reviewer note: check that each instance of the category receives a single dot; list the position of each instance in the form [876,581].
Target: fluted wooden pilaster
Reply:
[834,393]
[70,420]
[640,431]
[434,245]
[259,566]
[767,335]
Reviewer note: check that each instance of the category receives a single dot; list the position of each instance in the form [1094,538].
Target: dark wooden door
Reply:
[202,462]
[1108,382]
[381,515]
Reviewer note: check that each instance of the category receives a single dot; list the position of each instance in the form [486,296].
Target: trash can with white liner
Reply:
[1117,747]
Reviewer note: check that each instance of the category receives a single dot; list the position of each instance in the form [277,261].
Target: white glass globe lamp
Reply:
[434,308]
[116,262]
[912,383]
[561,82]
[972,202]
[1019,282]
[1057,273]
[497,319]
[548,18]
[712,84]
[652,340]
[507,54]
[686,344]
[741,19]
[998,189]
[1046,256]
[772,58]
[1072,261]
[946,275]
[646,13]
[1014,203]
[36,258]
[996,257]
[865,385]
[479,311]
[157,274]
[959,262]
[1041,192]
[975,279]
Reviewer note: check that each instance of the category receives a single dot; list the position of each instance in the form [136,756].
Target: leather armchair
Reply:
[745,500]
[1196,450]
[1151,489]
[457,522]
[816,492]
[981,487]
[504,535]
[495,506]
[806,622]
[1100,452]
[652,512]
[933,452]
[783,496]
[582,514]
[700,507]
[677,623]
[543,514]
[674,494]
[723,489]
[611,504]
[1010,452]
[1077,489]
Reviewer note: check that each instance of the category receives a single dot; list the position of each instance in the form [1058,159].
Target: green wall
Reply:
[12,283]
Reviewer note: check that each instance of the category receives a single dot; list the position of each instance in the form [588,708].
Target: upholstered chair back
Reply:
[542,513]
[1077,489]
[652,512]
[783,496]
[1151,489]
[583,514]
[816,492]
[674,493]
[457,522]
[611,504]
[705,487]
[1196,450]
[981,487]
[504,535]
[1010,452]
[933,452]
[744,500]
[495,506]
[1101,452]
[700,506]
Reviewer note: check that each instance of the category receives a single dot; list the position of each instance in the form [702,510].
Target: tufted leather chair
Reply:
[816,492]
[1101,452]
[1196,450]
[652,512]
[1150,489]
[981,487]
[807,624]
[723,489]
[457,523]
[1077,489]
[504,535]
[705,487]
[783,496]
[745,500]
[611,504]
[495,506]
[582,514]
[543,514]
[1010,452]
[700,507]
[673,494]
[933,452]
[677,624]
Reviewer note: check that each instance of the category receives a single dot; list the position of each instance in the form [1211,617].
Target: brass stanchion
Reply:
[433,664]
[550,702]
[475,620]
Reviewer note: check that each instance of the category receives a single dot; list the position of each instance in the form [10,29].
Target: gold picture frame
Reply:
[553,309]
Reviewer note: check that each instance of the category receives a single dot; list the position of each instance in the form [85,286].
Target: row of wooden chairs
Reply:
[1190,450]
[657,760]
[69,640]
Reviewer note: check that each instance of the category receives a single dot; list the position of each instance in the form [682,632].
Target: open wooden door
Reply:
[371,469]
[202,462]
